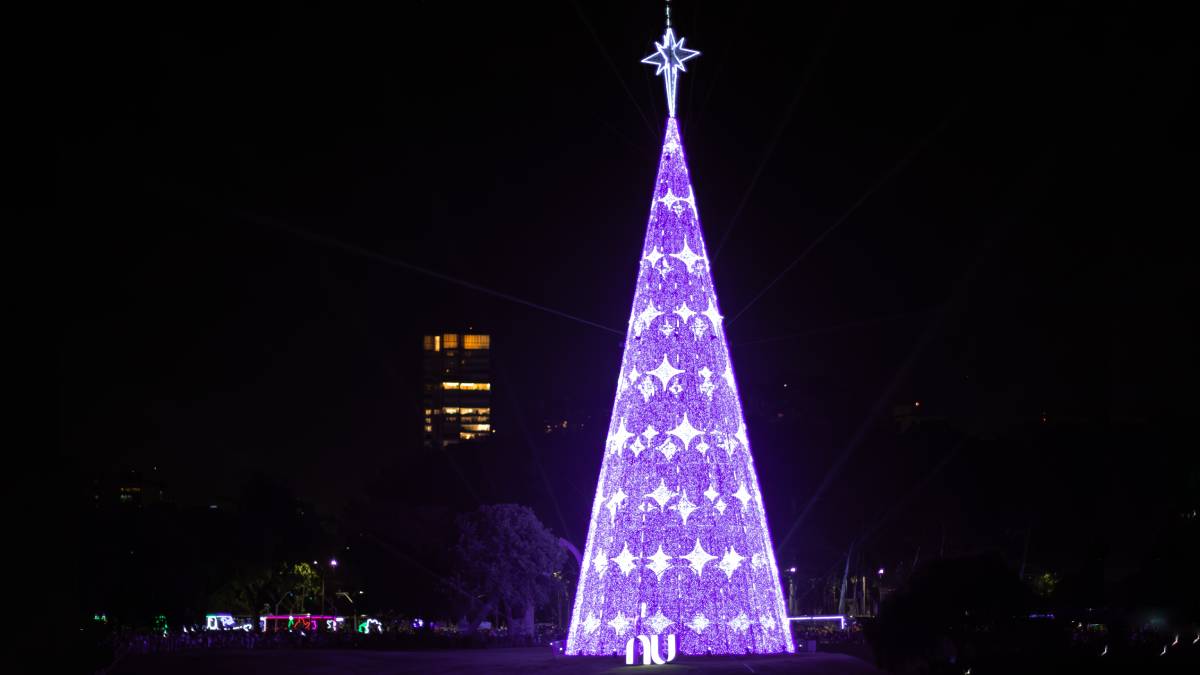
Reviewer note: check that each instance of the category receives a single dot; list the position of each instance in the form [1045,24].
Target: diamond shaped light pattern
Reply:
[678,538]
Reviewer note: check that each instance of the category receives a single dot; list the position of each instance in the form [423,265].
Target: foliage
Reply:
[287,586]
[1045,583]
[504,559]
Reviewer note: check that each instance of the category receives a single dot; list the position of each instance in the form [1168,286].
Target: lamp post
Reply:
[332,563]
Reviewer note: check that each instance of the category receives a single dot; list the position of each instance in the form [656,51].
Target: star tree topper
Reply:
[669,58]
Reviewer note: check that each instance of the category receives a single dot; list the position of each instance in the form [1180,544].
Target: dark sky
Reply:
[1008,186]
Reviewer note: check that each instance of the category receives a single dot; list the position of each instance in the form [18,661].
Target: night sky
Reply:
[982,208]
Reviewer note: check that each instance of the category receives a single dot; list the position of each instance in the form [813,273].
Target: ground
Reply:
[536,661]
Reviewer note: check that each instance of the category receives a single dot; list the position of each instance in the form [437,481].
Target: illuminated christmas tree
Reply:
[678,541]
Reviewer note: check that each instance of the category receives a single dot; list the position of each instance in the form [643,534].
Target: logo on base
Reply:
[650,654]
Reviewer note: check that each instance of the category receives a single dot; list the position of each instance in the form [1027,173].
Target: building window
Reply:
[468,386]
[428,343]
[477,341]
[428,429]
[437,343]
[477,427]
[450,340]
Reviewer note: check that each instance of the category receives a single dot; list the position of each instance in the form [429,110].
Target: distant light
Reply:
[333,562]
[785,385]
[791,569]
[917,404]
[880,571]
[212,506]
[314,562]
[840,619]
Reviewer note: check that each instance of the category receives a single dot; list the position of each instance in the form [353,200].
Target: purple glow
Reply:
[678,541]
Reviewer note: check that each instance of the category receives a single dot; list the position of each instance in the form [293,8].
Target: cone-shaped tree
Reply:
[678,540]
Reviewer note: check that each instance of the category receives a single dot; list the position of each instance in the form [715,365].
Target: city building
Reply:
[457,385]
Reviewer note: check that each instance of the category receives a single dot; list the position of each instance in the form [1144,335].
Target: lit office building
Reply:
[458,388]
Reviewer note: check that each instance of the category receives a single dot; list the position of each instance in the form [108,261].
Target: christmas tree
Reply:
[678,541]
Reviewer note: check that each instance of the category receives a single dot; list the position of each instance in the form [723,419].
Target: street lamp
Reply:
[332,563]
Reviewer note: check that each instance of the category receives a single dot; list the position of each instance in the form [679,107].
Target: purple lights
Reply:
[678,541]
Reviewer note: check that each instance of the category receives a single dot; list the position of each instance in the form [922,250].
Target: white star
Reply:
[668,449]
[688,257]
[728,375]
[685,431]
[658,622]
[673,201]
[591,623]
[634,375]
[698,328]
[653,256]
[698,558]
[704,372]
[667,328]
[636,447]
[713,315]
[707,388]
[669,57]
[625,560]
[685,313]
[711,493]
[665,269]
[600,562]
[730,562]
[675,388]
[665,372]
[684,506]
[650,433]
[720,506]
[758,561]
[698,623]
[743,495]
[658,562]
[702,447]
[645,317]
[620,624]
[662,494]
[614,503]
[616,441]
[740,622]
[767,621]
[741,435]
[648,389]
